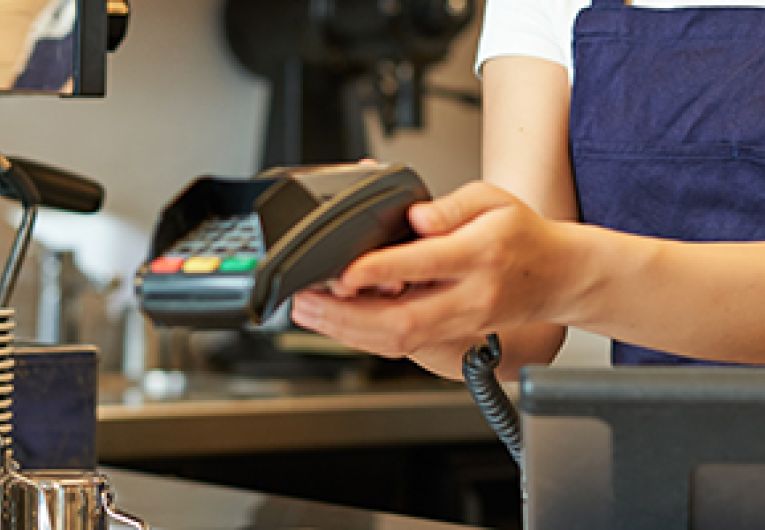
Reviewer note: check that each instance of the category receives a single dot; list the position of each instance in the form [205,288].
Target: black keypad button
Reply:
[225,239]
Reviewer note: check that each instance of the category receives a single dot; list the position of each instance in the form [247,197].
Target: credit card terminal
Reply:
[227,252]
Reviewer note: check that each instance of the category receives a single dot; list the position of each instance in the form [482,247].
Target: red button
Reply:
[166,265]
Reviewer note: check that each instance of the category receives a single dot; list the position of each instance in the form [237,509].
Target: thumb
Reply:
[448,213]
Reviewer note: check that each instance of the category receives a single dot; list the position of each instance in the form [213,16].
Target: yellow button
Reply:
[201,265]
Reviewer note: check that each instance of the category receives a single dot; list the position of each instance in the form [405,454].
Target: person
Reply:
[630,203]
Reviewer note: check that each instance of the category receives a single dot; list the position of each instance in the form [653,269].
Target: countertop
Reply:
[216,415]
[172,504]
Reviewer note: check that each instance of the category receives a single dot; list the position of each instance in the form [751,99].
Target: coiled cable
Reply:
[478,365]
[7,373]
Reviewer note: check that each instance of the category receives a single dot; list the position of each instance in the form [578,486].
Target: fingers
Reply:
[391,288]
[441,358]
[360,324]
[384,325]
[433,258]
[341,290]
[425,260]
[454,210]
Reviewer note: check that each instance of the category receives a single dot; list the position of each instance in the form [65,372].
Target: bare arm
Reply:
[490,261]
[696,299]
[525,151]
[525,128]
[703,300]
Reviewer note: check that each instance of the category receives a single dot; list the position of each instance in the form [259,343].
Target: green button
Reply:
[238,264]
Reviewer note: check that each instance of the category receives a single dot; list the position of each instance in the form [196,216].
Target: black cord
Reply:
[478,367]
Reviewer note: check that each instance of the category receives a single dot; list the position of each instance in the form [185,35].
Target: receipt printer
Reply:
[227,252]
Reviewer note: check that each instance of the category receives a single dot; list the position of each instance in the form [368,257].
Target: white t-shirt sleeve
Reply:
[522,27]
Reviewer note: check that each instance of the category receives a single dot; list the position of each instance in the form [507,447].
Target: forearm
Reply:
[525,151]
[525,134]
[521,345]
[536,343]
[703,300]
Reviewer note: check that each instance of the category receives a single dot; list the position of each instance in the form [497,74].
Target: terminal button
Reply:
[166,265]
[201,265]
[239,264]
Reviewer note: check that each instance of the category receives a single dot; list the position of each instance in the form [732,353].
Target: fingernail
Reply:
[343,291]
[391,289]
[304,304]
[422,216]
[302,319]
[304,311]
[336,288]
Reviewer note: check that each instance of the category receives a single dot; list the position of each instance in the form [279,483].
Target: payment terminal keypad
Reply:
[216,246]
[228,252]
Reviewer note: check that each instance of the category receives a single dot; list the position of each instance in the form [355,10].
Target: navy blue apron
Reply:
[668,127]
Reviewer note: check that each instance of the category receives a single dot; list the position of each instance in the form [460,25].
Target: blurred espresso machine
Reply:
[48,392]
[328,61]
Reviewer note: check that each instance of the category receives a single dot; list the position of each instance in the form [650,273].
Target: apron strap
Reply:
[609,3]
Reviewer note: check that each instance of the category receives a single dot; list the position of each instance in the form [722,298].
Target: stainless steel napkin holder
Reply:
[46,499]
[60,500]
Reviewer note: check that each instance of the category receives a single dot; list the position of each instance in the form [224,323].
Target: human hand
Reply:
[486,261]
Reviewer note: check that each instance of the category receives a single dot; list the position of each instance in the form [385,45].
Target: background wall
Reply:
[178,106]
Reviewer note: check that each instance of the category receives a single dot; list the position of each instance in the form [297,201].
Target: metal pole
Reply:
[17,254]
